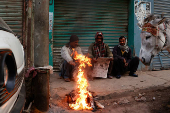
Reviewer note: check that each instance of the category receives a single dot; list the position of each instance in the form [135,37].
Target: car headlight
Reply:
[8,70]
[6,73]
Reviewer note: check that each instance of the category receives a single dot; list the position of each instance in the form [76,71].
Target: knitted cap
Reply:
[73,38]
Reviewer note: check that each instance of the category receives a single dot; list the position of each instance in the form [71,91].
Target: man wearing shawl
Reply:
[123,60]
[100,49]
[66,52]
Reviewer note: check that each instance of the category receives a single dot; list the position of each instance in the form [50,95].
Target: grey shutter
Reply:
[162,6]
[84,18]
[161,61]
[11,13]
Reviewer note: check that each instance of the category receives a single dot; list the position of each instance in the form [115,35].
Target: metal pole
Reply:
[41,54]
[41,90]
[29,38]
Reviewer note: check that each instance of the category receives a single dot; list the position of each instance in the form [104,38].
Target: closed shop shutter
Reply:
[162,6]
[84,18]
[11,13]
[161,61]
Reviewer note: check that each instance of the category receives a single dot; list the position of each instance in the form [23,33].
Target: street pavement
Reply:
[104,86]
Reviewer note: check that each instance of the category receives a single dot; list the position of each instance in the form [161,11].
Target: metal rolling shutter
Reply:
[11,13]
[162,6]
[161,61]
[84,18]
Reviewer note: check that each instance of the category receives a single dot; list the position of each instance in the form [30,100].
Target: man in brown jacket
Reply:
[100,49]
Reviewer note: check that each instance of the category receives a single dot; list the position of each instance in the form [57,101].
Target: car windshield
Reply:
[4,26]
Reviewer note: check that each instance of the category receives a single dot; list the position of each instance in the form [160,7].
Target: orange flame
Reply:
[82,84]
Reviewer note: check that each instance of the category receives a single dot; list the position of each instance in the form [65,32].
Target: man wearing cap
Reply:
[123,60]
[68,64]
[100,49]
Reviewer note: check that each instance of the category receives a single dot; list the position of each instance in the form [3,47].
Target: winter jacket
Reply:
[117,54]
[67,51]
[91,52]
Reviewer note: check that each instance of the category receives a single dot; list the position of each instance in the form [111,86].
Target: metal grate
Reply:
[160,61]
[11,13]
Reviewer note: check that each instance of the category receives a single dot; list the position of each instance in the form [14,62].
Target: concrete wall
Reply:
[51,14]
[41,33]
[131,25]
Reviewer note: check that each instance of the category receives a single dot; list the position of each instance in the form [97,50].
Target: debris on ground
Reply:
[29,108]
[123,101]
[114,103]
[99,105]
[140,98]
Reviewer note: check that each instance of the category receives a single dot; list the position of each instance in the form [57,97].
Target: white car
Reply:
[12,89]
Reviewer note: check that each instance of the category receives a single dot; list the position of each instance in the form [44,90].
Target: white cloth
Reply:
[66,53]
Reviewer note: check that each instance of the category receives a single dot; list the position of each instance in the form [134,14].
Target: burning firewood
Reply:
[73,95]
[81,98]
[99,105]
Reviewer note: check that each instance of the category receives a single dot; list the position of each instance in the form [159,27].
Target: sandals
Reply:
[110,77]
[67,79]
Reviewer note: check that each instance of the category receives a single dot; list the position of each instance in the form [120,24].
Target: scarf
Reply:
[97,51]
[124,48]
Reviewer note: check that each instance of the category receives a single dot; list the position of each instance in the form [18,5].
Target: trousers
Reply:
[66,70]
[120,68]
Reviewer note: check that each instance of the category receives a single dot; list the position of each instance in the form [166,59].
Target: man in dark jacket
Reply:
[100,49]
[123,60]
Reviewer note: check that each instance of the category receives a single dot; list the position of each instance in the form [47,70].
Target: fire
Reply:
[82,84]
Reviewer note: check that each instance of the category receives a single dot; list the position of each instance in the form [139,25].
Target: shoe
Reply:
[67,79]
[60,77]
[118,76]
[110,77]
[72,79]
[133,75]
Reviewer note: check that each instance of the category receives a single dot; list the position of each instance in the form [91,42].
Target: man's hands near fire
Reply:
[72,63]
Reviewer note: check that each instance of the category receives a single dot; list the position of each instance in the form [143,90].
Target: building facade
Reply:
[84,18]
[114,18]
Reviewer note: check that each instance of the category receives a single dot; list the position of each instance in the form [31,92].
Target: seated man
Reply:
[123,60]
[100,49]
[66,52]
